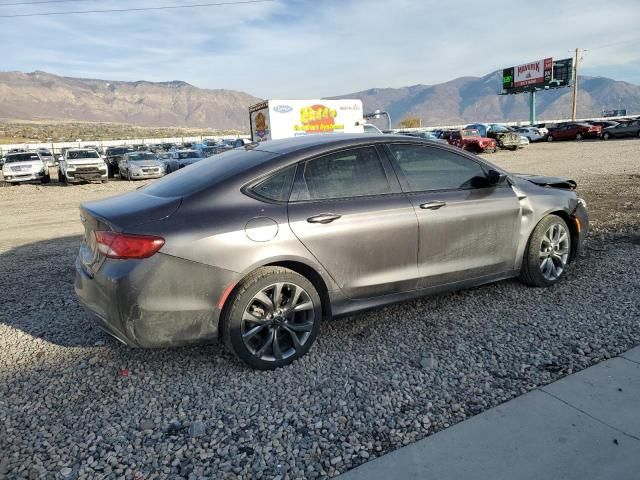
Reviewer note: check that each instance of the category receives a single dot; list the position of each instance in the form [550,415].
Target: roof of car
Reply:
[329,140]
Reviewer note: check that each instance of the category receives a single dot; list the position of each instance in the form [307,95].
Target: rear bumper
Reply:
[162,301]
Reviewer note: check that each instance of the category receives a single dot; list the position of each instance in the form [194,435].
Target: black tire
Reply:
[45,179]
[531,273]
[549,138]
[111,171]
[242,299]
[606,136]
[579,136]
[104,181]
[61,177]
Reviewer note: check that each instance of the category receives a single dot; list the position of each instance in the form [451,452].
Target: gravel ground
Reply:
[75,404]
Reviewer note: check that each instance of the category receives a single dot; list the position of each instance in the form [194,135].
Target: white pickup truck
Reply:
[82,164]
[23,167]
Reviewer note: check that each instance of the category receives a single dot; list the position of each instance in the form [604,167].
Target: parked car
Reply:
[47,157]
[257,245]
[112,156]
[82,164]
[21,167]
[504,137]
[470,139]
[604,124]
[532,133]
[423,135]
[628,129]
[141,165]
[573,131]
[181,158]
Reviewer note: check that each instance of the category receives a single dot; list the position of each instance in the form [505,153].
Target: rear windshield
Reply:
[185,155]
[206,173]
[117,151]
[21,157]
[134,157]
[82,154]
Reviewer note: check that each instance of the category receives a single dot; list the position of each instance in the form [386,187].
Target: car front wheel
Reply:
[606,136]
[547,253]
[272,319]
[549,138]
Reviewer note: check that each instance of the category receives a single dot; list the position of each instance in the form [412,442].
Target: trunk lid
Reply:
[119,214]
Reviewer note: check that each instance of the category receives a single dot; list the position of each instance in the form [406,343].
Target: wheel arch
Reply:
[301,268]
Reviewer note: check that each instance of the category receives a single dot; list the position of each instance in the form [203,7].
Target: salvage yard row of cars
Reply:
[87,164]
[484,137]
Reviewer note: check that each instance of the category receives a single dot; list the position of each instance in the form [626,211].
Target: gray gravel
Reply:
[75,404]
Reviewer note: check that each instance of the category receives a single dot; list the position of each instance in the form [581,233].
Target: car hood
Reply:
[84,161]
[150,163]
[546,181]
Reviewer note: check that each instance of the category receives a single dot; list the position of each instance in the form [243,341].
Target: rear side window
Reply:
[352,173]
[278,186]
[428,168]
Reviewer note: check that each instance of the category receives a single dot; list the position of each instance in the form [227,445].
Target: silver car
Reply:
[140,165]
[257,245]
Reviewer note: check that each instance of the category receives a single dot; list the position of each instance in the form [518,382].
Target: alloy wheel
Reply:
[278,321]
[554,252]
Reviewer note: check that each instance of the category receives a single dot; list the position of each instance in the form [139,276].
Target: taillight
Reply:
[126,245]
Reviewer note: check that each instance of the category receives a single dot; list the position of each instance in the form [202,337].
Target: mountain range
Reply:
[43,96]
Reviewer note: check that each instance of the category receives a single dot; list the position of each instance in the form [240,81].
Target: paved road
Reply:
[585,426]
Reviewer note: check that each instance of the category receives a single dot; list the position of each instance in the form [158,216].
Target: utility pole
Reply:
[575,86]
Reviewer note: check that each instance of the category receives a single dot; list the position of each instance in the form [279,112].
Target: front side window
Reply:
[429,168]
[352,173]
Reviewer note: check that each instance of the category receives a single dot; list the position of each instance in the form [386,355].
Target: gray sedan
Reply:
[140,165]
[257,245]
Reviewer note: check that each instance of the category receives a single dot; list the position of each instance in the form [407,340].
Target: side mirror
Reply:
[494,177]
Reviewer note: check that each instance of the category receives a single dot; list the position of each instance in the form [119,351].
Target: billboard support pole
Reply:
[532,107]
[575,87]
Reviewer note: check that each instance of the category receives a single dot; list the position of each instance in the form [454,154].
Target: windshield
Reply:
[82,154]
[117,151]
[470,133]
[21,157]
[185,155]
[499,129]
[45,153]
[137,157]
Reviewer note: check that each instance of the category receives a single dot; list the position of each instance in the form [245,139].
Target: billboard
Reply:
[534,73]
[541,74]
[274,119]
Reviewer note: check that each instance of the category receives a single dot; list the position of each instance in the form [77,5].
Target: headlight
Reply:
[582,202]
[71,166]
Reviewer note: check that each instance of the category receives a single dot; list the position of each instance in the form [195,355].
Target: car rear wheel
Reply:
[272,319]
[547,253]
[606,136]
[579,136]
[549,138]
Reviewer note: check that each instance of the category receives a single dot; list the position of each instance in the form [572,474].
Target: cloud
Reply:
[297,48]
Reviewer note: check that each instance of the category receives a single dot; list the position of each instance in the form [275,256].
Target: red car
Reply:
[574,131]
[469,139]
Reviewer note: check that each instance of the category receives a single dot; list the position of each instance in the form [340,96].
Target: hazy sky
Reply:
[298,48]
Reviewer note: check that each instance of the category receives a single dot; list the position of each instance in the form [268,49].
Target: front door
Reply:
[468,228]
[349,212]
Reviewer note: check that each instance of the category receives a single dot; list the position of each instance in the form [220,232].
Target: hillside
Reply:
[42,96]
[469,99]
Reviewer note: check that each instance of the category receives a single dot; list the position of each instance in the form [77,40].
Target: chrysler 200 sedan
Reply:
[257,245]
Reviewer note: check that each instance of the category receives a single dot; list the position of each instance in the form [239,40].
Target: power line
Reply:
[40,2]
[120,10]
[616,43]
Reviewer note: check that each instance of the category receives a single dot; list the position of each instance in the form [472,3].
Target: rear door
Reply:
[468,229]
[347,208]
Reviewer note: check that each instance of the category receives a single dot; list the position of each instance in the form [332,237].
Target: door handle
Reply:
[435,205]
[323,218]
